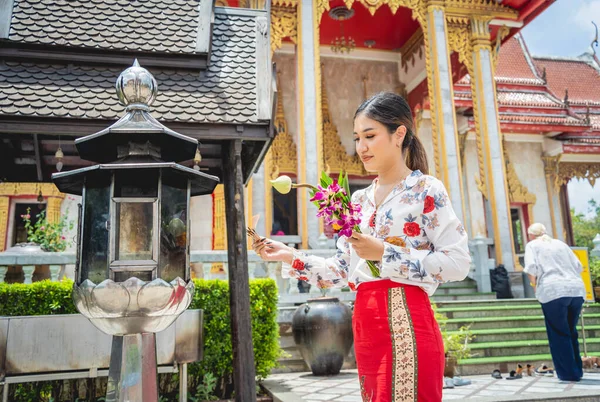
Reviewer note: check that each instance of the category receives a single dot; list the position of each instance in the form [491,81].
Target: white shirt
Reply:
[556,268]
[424,242]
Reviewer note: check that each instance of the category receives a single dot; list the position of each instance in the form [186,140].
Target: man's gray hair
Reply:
[537,229]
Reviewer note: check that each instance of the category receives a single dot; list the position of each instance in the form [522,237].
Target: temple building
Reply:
[505,130]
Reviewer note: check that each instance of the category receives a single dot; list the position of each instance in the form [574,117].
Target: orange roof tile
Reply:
[514,62]
[578,76]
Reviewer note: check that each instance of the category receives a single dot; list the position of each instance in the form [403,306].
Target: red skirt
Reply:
[398,344]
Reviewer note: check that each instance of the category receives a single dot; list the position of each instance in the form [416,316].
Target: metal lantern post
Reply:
[133,267]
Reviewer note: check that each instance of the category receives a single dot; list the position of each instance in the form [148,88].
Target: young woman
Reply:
[412,233]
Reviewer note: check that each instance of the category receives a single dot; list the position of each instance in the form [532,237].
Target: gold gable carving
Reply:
[284,24]
[517,192]
[283,158]
[336,158]
[585,171]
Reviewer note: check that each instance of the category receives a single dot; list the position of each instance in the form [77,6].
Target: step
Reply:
[463,297]
[467,282]
[501,311]
[462,290]
[521,334]
[487,302]
[490,311]
[508,322]
[517,348]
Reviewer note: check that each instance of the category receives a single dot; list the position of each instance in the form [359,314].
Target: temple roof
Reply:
[580,76]
[515,65]
[150,25]
[225,92]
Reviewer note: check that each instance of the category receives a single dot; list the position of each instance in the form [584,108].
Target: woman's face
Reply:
[376,147]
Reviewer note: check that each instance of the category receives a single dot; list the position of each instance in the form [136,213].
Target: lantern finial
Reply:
[136,87]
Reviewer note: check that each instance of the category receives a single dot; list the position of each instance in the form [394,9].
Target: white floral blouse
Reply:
[424,242]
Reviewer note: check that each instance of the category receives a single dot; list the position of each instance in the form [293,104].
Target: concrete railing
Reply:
[212,264]
[206,264]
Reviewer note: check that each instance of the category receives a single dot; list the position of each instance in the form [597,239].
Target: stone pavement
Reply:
[304,387]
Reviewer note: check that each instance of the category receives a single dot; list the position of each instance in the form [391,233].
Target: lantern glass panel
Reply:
[134,234]
[94,248]
[174,231]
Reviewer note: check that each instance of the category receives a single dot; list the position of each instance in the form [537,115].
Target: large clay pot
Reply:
[322,330]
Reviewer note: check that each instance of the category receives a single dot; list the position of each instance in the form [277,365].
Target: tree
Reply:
[585,228]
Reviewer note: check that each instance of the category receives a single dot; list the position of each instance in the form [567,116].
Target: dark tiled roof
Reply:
[148,25]
[226,92]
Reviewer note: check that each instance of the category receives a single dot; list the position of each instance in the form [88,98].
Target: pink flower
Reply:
[63,238]
[27,216]
[43,228]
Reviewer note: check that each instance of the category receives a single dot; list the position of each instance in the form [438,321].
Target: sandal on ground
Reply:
[461,381]
[516,374]
[529,370]
[497,374]
[448,383]
[545,371]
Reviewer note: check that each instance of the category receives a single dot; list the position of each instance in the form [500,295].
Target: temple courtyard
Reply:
[305,387]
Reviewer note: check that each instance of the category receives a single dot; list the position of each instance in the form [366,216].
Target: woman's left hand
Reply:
[366,247]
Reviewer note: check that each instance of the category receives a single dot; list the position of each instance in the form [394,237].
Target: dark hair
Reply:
[393,111]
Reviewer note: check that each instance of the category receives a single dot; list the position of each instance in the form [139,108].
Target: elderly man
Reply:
[555,273]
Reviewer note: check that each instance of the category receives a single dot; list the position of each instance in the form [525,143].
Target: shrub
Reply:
[456,343]
[49,235]
[212,296]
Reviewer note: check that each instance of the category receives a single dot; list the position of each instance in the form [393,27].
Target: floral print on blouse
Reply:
[424,242]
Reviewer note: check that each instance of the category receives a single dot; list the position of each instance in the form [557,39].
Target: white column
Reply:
[486,110]
[309,163]
[258,200]
[442,107]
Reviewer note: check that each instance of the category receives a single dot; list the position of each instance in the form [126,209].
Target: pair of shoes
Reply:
[496,374]
[529,370]
[545,371]
[461,381]
[448,383]
[516,374]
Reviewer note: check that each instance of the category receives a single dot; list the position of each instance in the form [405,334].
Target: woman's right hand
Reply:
[271,250]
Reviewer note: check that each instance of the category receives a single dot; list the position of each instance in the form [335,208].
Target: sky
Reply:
[565,29]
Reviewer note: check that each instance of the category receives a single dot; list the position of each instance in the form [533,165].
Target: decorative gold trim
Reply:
[287,3]
[48,191]
[483,8]
[587,171]
[53,208]
[219,225]
[317,13]
[517,192]
[4,206]
[500,35]
[412,49]
[32,189]
[284,24]
[221,3]
[551,172]
[430,68]
[283,156]
[320,6]
[336,158]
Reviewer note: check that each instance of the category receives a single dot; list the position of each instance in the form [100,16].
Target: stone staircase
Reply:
[507,331]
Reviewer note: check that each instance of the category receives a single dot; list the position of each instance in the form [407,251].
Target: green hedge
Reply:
[212,296]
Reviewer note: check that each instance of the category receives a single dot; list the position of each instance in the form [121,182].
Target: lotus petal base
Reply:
[133,306]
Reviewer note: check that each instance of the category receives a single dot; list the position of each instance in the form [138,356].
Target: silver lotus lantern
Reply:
[133,267]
